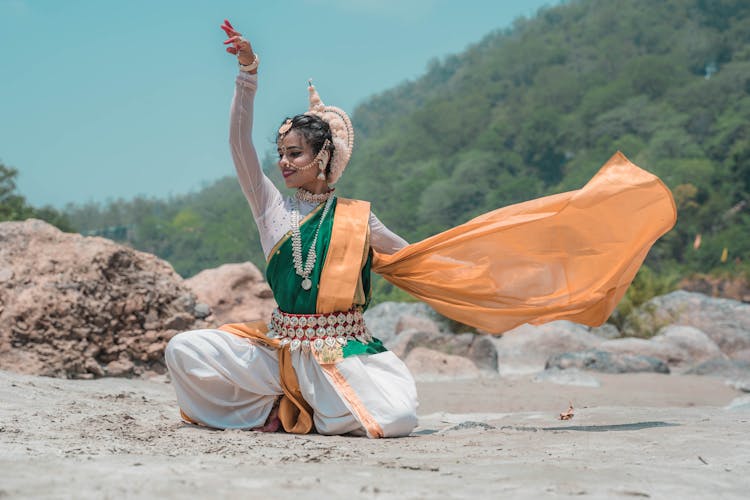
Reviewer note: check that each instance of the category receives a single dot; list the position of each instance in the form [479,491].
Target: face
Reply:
[295,152]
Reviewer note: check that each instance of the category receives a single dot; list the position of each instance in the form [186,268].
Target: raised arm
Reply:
[258,189]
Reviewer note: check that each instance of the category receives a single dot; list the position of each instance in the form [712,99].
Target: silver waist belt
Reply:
[316,331]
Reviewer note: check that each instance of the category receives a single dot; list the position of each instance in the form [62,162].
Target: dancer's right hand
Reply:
[240,47]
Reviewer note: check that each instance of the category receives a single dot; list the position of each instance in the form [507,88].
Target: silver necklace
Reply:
[305,195]
[304,270]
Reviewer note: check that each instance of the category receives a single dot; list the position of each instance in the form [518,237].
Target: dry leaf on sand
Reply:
[567,414]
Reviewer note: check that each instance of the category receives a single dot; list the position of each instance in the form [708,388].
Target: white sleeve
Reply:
[382,239]
[259,190]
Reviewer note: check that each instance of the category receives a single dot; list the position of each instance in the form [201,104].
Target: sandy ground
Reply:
[635,436]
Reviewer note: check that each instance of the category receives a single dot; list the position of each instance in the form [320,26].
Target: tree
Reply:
[13,206]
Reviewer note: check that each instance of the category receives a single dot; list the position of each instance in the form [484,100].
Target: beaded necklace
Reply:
[304,270]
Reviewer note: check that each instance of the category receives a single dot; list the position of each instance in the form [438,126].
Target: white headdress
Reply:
[342,132]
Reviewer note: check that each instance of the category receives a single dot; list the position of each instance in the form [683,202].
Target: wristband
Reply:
[250,67]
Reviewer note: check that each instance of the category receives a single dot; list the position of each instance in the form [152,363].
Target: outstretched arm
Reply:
[382,239]
[258,189]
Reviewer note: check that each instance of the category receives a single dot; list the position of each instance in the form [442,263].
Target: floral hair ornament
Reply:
[342,132]
[285,127]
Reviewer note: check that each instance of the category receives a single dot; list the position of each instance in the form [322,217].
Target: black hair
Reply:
[315,132]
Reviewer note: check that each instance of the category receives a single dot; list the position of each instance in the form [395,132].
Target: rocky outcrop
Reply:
[405,326]
[692,345]
[236,293]
[725,321]
[72,306]
[525,349]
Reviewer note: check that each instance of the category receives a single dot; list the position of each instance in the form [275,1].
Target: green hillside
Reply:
[527,111]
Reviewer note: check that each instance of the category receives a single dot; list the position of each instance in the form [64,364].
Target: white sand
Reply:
[636,436]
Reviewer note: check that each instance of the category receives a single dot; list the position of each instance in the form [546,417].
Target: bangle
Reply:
[250,67]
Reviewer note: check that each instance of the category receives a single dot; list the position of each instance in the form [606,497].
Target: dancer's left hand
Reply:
[241,47]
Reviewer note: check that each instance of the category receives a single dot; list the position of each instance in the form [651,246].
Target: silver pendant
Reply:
[306,284]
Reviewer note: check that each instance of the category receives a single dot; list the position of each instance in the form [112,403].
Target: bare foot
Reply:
[273,423]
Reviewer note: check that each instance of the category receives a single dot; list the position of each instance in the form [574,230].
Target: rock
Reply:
[78,307]
[725,321]
[695,345]
[419,323]
[119,368]
[480,349]
[6,274]
[431,365]
[483,352]
[606,331]
[741,355]
[236,293]
[667,352]
[382,318]
[402,344]
[606,362]
[740,384]
[469,425]
[525,349]
[720,367]
[201,310]
[180,321]
[741,403]
[571,376]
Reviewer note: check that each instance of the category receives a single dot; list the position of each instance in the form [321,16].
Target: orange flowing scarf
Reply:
[567,256]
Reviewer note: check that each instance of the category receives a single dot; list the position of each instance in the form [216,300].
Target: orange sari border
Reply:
[338,286]
[343,263]
[373,428]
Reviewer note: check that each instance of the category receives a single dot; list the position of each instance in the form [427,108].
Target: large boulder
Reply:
[606,362]
[72,306]
[427,364]
[525,349]
[383,319]
[694,345]
[667,352]
[725,321]
[236,293]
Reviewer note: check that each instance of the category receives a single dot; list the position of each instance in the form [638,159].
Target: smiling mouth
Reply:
[287,172]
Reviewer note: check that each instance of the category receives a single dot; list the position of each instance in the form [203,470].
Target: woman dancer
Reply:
[566,256]
[318,361]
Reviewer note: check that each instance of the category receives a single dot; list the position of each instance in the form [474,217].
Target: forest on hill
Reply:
[528,111]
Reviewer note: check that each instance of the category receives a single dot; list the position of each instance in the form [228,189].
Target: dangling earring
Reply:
[322,174]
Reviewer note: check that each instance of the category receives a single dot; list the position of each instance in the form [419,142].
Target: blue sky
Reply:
[105,99]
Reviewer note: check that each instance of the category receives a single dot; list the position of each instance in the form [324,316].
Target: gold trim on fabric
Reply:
[373,428]
[343,263]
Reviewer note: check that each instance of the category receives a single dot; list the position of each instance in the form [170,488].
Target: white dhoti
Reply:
[229,382]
